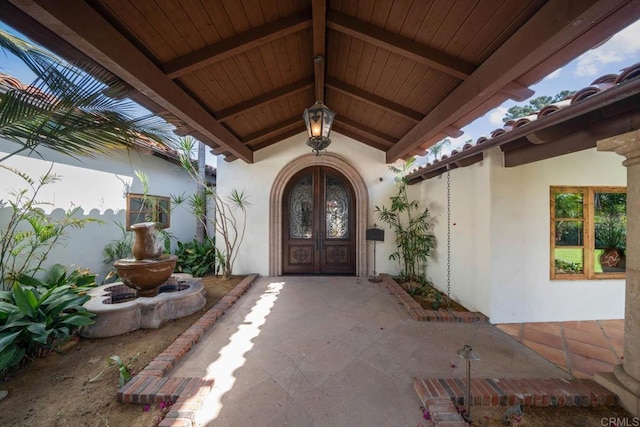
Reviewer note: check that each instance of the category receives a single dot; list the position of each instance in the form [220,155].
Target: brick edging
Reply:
[418,313]
[153,383]
[542,392]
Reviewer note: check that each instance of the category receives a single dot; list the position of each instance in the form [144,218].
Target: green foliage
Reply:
[196,258]
[75,112]
[230,219]
[36,316]
[412,226]
[534,105]
[29,235]
[436,149]
[567,267]
[124,374]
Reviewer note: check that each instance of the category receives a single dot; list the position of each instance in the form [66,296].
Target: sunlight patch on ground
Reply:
[232,356]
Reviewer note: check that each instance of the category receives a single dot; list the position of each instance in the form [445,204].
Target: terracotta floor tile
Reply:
[588,366]
[594,338]
[617,323]
[513,329]
[554,355]
[584,325]
[548,327]
[613,332]
[592,352]
[618,345]
[551,340]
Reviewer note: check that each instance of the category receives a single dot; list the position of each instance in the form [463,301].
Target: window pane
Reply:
[337,205]
[569,233]
[135,204]
[301,209]
[610,215]
[568,205]
[569,260]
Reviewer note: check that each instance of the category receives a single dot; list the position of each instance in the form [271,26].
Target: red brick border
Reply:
[418,313]
[509,391]
[153,385]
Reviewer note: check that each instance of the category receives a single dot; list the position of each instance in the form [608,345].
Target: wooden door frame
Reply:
[275,207]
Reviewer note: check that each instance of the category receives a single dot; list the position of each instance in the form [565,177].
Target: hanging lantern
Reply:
[318,119]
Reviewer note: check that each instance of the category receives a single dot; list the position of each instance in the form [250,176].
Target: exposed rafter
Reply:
[275,130]
[82,27]
[381,138]
[401,45]
[377,101]
[555,25]
[346,131]
[274,140]
[319,8]
[261,100]
[240,43]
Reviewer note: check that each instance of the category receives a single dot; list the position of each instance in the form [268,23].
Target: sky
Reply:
[620,51]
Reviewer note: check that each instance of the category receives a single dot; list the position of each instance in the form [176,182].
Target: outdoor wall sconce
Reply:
[318,119]
[468,354]
[375,234]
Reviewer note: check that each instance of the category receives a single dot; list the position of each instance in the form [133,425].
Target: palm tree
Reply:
[78,112]
[437,148]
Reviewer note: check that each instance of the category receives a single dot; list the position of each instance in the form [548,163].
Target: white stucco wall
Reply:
[98,187]
[500,243]
[257,179]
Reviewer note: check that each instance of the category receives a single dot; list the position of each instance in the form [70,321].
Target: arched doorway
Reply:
[276,198]
[318,228]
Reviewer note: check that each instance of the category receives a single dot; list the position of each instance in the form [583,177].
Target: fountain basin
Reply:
[117,318]
[145,276]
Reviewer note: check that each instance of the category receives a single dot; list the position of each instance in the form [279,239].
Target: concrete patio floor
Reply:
[336,351]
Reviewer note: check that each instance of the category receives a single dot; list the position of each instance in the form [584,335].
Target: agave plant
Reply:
[78,112]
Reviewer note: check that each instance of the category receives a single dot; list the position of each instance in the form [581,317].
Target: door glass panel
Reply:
[337,205]
[301,209]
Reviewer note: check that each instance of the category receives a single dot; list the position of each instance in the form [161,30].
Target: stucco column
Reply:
[628,373]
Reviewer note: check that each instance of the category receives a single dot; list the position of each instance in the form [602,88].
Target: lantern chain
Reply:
[448,234]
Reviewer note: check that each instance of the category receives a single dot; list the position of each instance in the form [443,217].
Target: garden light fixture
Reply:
[468,354]
[318,119]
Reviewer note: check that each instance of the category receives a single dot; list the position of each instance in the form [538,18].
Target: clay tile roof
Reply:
[598,86]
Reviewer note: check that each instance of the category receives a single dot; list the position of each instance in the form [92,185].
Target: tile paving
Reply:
[336,351]
[581,348]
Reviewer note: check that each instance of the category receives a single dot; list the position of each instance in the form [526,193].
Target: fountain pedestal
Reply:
[119,311]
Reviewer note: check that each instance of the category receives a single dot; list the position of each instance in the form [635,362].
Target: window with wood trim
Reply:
[588,232]
[148,208]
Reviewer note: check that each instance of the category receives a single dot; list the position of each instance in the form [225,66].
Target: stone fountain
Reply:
[149,268]
[150,293]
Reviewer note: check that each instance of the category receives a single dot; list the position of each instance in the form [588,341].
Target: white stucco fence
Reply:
[98,186]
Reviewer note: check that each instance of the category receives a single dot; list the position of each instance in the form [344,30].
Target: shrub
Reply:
[36,316]
[196,258]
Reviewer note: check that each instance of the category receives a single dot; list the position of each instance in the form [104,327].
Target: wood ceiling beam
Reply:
[319,17]
[517,92]
[274,95]
[554,26]
[344,130]
[82,27]
[237,44]
[275,139]
[372,134]
[377,101]
[275,130]
[398,44]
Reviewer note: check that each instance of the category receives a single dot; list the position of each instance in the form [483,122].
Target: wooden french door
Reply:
[318,223]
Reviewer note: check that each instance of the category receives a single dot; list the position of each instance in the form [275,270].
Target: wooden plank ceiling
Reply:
[400,74]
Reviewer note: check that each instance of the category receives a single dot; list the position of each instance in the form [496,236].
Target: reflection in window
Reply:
[148,208]
[301,209]
[589,232]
